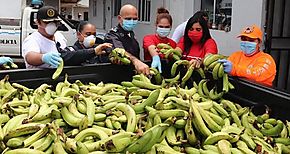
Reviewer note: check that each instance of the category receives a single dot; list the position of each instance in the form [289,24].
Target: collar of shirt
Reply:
[120,29]
[79,45]
[161,39]
[129,33]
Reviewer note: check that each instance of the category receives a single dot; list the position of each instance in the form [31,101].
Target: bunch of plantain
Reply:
[120,55]
[9,65]
[168,51]
[137,116]
[211,62]
[211,65]
[189,71]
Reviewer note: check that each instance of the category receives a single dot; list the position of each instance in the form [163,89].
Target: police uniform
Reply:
[78,54]
[123,39]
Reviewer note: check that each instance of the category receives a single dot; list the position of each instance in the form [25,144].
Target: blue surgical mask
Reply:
[129,25]
[248,47]
[163,32]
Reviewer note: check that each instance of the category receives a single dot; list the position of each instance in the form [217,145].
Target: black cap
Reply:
[48,13]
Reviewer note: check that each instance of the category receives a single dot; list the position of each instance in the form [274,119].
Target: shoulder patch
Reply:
[114,29]
[71,48]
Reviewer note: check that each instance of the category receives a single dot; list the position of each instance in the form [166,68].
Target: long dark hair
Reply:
[196,18]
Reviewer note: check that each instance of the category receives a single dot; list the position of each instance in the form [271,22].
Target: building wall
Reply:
[77,10]
[243,14]
[96,13]
[54,3]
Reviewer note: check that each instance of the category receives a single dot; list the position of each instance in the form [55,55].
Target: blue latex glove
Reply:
[51,58]
[156,63]
[4,60]
[228,65]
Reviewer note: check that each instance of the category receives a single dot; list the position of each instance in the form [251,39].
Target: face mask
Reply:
[248,47]
[89,41]
[129,25]
[195,36]
[163,32]
[50,28]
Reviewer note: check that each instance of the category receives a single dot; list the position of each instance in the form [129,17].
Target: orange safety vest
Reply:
[260,67]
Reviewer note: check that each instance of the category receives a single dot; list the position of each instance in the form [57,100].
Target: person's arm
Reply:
[178,32]
[210,46]
[32,55]
[51,58]
[31,51]
[139,65]
[180,45]
[34,58]
[149,45]
[114,40]
[263,69]
[76,57]
[72,57]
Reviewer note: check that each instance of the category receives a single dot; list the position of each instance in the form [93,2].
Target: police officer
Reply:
[122,36]
[85,49]
[39,49]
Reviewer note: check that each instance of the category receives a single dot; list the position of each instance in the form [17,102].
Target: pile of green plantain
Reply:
[145,115]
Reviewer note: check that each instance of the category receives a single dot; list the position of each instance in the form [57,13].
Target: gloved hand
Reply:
[4,60]
[156,63]
[51,58]
[228,65]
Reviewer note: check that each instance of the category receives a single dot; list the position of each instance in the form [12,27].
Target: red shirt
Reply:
[197,51]
[153,39]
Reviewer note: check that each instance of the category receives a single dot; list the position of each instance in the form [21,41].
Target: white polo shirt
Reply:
[179,32]
[40,44]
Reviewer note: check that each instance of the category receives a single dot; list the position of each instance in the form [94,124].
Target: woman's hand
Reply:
[196,62]
[99,50]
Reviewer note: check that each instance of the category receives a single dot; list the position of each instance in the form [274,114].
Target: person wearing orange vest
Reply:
[250,62]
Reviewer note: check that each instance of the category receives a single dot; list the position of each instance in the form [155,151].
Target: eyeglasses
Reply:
[163,26]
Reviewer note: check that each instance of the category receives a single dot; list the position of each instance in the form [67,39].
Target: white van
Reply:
[17,21]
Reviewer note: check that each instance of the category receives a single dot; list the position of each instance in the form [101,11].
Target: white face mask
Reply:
[89,41]
[50,28]
[163,32]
